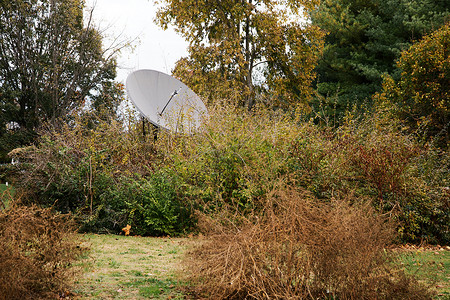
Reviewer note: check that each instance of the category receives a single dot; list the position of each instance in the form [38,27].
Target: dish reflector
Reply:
[165,101]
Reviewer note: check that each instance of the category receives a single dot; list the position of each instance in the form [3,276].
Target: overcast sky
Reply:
[155,49]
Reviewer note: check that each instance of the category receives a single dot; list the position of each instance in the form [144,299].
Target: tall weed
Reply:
[301,248]
[36,248]
[237,158]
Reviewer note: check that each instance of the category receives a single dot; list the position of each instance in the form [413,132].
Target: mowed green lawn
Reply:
[431,266]
[121,267]
[130,267]
[6,193]
[4,187]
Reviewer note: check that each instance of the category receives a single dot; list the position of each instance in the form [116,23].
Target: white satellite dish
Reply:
[165,101]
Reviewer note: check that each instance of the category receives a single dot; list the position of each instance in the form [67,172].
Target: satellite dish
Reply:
[165,101]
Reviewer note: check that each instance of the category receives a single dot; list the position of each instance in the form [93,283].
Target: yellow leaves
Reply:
[421,94]
[229,39]
[125,158]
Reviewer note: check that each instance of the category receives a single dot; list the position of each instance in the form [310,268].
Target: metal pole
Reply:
[173,94]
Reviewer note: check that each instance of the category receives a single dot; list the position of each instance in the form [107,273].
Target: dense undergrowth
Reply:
[111,177]
[291,209]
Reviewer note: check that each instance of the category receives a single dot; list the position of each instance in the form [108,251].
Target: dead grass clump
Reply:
[36,248]
[302,249]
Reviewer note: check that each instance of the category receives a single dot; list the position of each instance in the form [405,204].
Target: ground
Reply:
[430,265]
[130,267]
[133,267]
[6,193]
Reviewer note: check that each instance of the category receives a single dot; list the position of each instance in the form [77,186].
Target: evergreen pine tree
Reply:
[364,41]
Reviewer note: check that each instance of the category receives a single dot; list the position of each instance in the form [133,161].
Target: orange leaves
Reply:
[127,230]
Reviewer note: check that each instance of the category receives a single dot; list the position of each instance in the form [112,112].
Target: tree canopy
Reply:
[421,96]
[364,41]
[246,49]
[51,60]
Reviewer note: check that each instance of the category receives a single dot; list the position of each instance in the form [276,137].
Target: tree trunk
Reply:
[248,60]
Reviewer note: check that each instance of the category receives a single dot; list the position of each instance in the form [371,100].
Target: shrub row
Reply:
[111,176]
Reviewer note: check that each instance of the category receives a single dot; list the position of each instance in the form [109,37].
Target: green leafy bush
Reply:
[152,206]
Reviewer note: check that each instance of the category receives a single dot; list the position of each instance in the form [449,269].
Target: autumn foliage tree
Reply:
[364,41]
[246,50]
[51,59]
[421,97]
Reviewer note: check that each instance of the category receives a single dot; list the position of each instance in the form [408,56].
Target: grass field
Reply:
[120,267]
[128,267]
[6,192]
[4,188]
[431,266]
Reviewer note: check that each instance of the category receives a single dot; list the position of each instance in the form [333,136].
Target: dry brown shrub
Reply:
[300,249]
[36,249]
